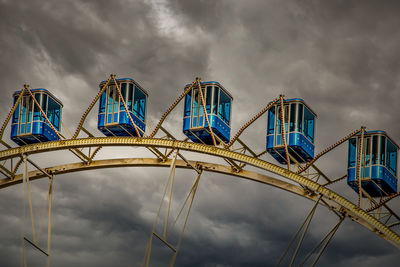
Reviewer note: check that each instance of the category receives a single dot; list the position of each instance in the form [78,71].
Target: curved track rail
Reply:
[308,189]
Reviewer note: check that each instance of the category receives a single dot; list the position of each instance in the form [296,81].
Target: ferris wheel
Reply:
[36,127]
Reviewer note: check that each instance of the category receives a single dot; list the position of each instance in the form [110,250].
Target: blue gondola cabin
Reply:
[218,106]
[299,128]
[378,169]
[28,125]
[113,120]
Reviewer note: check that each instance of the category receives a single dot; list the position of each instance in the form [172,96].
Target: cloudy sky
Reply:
[342,57]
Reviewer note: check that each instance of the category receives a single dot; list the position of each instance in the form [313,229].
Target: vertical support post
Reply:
[25,174]
[29,197]
[171,178]
[298,232]
[331,234]
[167,230]
[49,220]
[283,131]
[196,183]
[304,233]
[146,259]
[359,162]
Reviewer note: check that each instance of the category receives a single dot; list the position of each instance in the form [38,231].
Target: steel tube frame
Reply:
[357,214]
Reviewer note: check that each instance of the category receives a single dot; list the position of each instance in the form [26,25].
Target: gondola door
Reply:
[197,119]
[25,121]
[366,158]
[278,130]
[112,109]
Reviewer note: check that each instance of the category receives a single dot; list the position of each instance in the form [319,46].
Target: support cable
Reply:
[126,108]
[156,152]
[324,241]
[298,232]
[383,202]
[283,131]
[186,219]
[146,259]
[25,174]
[75,151]
[171,178]
[326,150]
[327,242]
[29,198]
[49,220]
[42,112]
[336,180]
[303,234]
[205,110]
[36,246]
[83,118]
[358,168]
[184,204]
[247,124]
[11,113]
[171,108]
[66,129]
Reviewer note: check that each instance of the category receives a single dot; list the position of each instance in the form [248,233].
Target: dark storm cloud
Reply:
[340,56]
[319,51]
[46,43]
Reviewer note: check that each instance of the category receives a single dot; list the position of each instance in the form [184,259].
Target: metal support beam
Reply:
[49,220]
[94,101]
[35,246]
[310,216]
[306,221]
[165,242]
[324,241]
[336,180]
[247,148]
[195,186]
[167,231]
[164,116]
[283,131]
[87,132]
[326,150]
[358,215]
[331,234]
[171,179]
[3,127]
[9,174]
[146,260]
[40,169]
[359,162]
[203,103]
[42,112]
[25,157]
[247,124]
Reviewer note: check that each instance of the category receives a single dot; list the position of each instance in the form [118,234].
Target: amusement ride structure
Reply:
[36,120]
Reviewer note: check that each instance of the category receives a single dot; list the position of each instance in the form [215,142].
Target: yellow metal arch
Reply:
[152,162]
[342,204]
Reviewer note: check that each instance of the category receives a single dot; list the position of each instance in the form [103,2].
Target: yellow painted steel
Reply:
[347,207]
[11,112]
[203,103]
[152,162]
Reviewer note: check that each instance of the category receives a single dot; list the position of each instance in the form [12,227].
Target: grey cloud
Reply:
[340,56]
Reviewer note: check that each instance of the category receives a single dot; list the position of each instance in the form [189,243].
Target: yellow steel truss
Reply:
[336,201]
